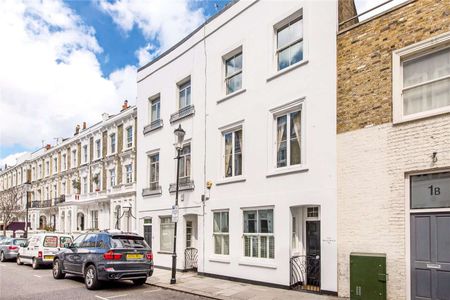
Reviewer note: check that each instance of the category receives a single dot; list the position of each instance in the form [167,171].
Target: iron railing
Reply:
[305,273]
[153,126]
[190,259]
[182,113]
[185,184]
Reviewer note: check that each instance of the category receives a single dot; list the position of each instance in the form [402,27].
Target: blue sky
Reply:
[81,59]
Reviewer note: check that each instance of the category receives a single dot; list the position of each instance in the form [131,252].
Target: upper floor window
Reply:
[421,79]
[85,184]
[55,165]
[155,106]
[185,162]
[47,168]
[40,171]
[112,177]
[74,158]
[288,139]
[129,136]
[129,173]
[85,153]
[154,171]
[233,153]
[184,94]
[233,73]
[64,160]
[112,139]
[98,148]
[290,43]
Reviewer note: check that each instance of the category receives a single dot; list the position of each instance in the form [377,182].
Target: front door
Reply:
[430,256]
[313,253]
[148,234]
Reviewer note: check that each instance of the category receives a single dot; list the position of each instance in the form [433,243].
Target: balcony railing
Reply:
[153,126]
[154,189]
[182,113]
[185,184]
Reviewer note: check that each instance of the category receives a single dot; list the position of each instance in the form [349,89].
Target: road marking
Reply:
[151,291]
[97,296]
[38,276]
[117,296]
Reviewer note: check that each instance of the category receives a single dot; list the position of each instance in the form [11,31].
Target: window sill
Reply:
[231,180]
[422,115]
[224,259]
[260,263]
[148,192]
[287,70]
[287,170]
[229,96]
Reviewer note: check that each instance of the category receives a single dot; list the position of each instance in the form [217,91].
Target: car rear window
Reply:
[19,242]
[51,241]
[128,242]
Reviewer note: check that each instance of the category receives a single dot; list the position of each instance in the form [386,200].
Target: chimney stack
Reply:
[125,105]
[84,125]
[47,147]
[105,116]
[77,129]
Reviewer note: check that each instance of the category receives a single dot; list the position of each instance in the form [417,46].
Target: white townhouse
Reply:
[254,88]
[84,182]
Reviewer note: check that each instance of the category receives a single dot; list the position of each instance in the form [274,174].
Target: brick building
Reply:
[393,147]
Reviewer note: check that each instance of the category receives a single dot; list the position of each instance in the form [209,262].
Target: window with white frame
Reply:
[185,163]
[233,73]
[112,177]
[288,138]
[85,153]
[39,171]
[47,168]
[85,185]
[289,38]
[155,107]
[233,152]
[312,212]
[184,94]
[154,171]
[129,136]
[259,240]
[129,173]
[112,143]
[98,181]
[63,188]
[426,82]
[55,165]
[98,148]
[74,158]
[64,160]
[166,236]
[94,219]
[221,233]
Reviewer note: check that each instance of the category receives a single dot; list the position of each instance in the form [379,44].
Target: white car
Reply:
[41,249]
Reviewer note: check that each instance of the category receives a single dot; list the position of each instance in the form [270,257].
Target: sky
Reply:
[66,62]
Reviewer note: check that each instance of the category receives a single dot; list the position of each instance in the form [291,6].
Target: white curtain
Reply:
[297,128]
[280,133]
[228,156]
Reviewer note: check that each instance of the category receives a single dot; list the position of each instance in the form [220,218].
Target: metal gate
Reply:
[305,273]
[190,259]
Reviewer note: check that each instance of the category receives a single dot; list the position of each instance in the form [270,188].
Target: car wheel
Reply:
[35,264]
[18,260]
[90,278]
[139,281]
[57,270]
[2,257]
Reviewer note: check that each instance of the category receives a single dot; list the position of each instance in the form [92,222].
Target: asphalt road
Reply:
[22,282]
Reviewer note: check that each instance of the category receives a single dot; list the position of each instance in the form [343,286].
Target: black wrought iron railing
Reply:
[190,259]
[182,113]
[153,126]
[305,272]
[185,184]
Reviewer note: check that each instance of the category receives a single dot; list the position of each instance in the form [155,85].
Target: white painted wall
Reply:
[250,25]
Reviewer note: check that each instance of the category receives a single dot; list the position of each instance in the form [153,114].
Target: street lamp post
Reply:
[27,186]
[179,134]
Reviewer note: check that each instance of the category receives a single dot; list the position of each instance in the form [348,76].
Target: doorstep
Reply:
[214,288]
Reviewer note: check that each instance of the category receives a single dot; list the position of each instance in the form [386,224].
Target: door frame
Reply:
[408,213]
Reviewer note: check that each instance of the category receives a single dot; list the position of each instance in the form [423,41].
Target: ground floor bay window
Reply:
[259,240]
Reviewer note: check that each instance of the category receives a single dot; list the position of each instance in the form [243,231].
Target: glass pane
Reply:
[425,68]
[254,241]
[250,221]
[295,135]
[217,244]
[226,245]
[281,141]
[224,222]
[228,154]
[263,240]
[266,221]
[271,247]
[234,65]
[216,222]
[234,83]
[181,167]
[283,59]
[296,53]
[430,190]
[427,97]
[246,245]
[238,164]
[188,165]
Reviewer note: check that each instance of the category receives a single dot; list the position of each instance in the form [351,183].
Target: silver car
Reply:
[10,247]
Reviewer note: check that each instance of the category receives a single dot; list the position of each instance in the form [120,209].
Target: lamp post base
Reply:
[173,281]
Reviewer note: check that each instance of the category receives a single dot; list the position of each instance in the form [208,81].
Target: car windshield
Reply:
[63,240]
[20,242]
[128,242]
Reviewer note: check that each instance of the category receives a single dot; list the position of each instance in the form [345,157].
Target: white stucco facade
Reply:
[308,87]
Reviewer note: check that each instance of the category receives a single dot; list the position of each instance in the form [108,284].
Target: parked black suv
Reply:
[105,255]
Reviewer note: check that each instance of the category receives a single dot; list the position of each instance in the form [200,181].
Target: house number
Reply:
[434,190]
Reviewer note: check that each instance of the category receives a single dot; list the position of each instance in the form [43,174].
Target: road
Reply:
[22,282]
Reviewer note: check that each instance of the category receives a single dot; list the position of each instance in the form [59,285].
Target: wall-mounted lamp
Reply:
[434,157]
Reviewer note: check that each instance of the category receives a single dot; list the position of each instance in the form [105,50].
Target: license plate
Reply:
[48,256]
[135,256]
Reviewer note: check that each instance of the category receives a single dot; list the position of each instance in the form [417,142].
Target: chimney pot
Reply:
[47,147]
[125,105]
[77,129]
[105,116]
[84,125]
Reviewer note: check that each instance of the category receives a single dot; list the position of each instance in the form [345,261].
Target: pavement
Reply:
[213,288]
[24,283]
